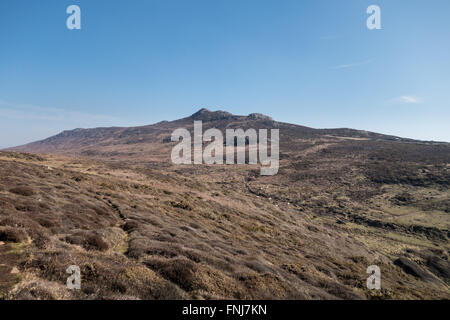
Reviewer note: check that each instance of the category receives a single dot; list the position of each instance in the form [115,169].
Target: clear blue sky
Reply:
[310,62]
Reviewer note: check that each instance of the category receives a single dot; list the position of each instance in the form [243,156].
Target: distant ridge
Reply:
[112,142]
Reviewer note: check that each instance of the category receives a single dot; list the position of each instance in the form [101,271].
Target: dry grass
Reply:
[149,230]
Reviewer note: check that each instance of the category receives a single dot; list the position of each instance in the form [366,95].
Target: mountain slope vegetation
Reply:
[110,201]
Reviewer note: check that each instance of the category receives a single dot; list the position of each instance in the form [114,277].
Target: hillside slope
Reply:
[140,227]
[150,142]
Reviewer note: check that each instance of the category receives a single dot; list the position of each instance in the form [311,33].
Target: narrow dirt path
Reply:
[121,223]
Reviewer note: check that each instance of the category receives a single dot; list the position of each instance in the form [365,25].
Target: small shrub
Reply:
[22,191]
[13,235]
[182,205]
[88,240]
[96,242]
[47,223]
[130,226]
[180,271]
[75,239]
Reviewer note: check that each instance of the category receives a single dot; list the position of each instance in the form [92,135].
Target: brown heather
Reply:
[110,201]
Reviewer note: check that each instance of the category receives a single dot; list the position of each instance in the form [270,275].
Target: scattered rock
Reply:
[14,270]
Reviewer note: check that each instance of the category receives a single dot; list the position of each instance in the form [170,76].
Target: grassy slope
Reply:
[156,231]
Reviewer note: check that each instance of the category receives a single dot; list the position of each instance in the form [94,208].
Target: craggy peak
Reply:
[207,115]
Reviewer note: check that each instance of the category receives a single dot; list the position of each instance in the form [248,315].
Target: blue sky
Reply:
[310,62]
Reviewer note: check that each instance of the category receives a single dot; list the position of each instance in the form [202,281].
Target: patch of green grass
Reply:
[16,248]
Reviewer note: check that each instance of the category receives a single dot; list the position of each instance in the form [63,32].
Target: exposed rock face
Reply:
[207,115]
[259,116]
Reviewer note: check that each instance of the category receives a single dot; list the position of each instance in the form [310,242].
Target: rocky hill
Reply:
[122,143]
